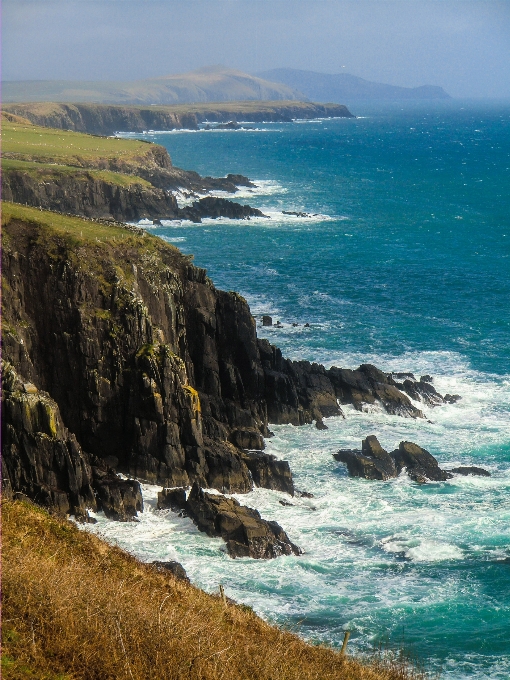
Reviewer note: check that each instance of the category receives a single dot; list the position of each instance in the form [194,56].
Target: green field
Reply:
[31,142]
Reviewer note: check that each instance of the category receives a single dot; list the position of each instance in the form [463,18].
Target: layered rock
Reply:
[244,531]
[374,462]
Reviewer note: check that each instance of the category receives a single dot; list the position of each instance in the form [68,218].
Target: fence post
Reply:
[222,595]
[346,640]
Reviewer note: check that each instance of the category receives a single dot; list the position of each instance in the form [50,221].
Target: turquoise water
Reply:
[406,265]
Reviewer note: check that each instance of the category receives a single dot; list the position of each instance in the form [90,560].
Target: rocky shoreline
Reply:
[124,357]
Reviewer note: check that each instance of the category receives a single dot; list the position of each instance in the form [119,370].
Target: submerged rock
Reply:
[470,470]
[244,531]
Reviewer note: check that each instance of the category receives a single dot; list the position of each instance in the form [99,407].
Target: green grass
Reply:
[83,230]
[30,142]
[45,172]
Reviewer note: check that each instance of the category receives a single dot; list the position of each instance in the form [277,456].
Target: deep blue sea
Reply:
[405,263]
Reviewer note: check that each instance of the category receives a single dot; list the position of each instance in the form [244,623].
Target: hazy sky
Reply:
[461,45]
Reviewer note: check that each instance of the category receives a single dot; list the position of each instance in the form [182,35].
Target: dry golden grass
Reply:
[75,607]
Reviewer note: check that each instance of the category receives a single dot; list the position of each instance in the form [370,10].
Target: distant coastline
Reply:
[103,119]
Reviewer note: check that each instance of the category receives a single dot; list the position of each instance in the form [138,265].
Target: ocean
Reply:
[403,262]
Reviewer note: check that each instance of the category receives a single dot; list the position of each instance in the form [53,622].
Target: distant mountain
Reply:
[344,88]
[211,84]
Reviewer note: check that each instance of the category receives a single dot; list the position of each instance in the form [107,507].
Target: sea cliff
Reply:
[105,119]
[142,365]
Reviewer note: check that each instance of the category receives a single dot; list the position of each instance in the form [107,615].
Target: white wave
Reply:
[421,550]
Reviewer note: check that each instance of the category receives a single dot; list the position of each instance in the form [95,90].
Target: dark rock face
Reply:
[244,531]
[40,457]
[174,568]
[119,499]
[373,462]
[149,365]
[172,499]
[470,470]
[84,194]
[269,472]
[419,463]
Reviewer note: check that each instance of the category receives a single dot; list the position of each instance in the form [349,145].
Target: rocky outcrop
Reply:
[419,463]
[373,462]
[210,206]
[86,193]
[244,531]
[175,568]
[423,390]
[269,472]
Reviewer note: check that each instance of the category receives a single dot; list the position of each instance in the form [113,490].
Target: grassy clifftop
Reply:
[29,142]
[76,607]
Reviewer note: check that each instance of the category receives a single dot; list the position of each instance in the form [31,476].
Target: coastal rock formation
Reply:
[419,463]
[149,365]
[107,120]
[244,531]
[87,193]
[211,206]
[373,462]
[83,193]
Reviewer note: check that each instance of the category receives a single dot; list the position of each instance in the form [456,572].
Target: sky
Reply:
[460,45]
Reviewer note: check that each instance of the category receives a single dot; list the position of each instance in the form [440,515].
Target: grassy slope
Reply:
[69,148]
[210,84]
[48,108]
[47,153]
[75,607]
